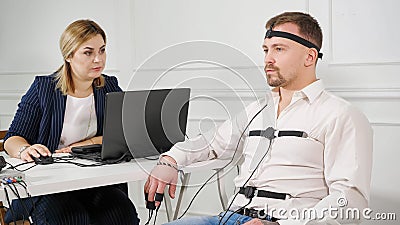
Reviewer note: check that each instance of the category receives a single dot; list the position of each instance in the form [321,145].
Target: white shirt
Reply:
[80,121]
[333,162]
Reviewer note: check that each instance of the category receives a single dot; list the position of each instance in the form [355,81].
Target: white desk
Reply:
[61,177]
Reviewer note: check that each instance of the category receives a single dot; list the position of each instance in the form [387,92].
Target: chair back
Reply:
[2,135]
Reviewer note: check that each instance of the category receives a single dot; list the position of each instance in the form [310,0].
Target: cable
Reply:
[150,215]
[80,164]
[16,193]
[243,207]
[21,164]
[125,157]
[23,184]
[155,216]
[9,203]
[248,179]
[218,170]
[66,159]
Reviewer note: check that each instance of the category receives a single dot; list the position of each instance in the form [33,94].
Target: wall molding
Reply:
[197,68]
[361,63]
[347,93]
[353,93]
[11,95]
[366,93]
[37,72]
[373,123]
[385,124]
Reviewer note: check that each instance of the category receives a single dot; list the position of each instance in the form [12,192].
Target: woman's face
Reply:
[88,61]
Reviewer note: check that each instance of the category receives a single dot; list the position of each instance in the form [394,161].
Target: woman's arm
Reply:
[90,141]
[24,128]
[18,147]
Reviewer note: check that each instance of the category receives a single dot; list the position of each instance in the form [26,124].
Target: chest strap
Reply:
[268,133]
[250,192]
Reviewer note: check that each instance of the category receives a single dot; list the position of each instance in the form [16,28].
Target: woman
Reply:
[63,110]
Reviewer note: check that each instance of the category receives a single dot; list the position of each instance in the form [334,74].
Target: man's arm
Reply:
[213,144]
[224,142]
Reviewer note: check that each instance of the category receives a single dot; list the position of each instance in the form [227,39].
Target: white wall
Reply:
[361,61]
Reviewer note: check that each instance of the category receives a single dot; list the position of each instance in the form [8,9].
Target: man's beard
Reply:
[278,78]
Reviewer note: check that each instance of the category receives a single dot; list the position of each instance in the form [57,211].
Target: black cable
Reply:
[155,216]
[120,159]
[9,204]
[241,208]
[150,215]
[124,157]
[16,192]
[21,164]
[218,170]
[81,164]
[66,159]
[24,185]
[248,179]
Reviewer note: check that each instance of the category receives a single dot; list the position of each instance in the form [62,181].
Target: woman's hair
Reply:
[74,36]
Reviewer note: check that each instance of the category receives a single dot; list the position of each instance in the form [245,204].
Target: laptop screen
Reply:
[146,122]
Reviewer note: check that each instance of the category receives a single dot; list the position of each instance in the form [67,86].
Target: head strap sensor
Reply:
[272,33]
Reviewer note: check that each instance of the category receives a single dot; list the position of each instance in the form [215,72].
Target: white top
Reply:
[80,121]
[334,162]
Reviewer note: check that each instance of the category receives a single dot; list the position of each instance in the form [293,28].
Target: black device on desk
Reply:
[141,123]
[86,149]
[3,162]
[43,160]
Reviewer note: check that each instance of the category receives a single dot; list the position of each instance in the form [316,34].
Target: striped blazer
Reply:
[40,114]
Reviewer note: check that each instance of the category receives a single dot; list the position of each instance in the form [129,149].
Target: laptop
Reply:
[142,124]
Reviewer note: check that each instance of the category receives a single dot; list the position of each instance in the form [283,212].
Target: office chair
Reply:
[2,208]
[2,135]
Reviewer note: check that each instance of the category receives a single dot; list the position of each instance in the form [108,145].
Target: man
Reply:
[317,160]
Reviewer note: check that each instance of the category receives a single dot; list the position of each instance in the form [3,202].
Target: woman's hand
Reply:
[64,150]
[36,151]
[91,141]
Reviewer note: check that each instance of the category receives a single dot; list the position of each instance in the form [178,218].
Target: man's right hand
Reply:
[159,178]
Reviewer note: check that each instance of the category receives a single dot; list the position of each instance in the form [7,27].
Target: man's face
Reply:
[284,58]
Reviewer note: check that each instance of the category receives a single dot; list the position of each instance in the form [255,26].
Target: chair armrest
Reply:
[206,165]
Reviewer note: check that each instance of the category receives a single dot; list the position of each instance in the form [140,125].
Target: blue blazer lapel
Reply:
[99,97]
[57,119]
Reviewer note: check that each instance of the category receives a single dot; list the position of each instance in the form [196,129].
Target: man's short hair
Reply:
[308,26]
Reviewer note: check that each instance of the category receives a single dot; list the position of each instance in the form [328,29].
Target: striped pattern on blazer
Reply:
[40,114]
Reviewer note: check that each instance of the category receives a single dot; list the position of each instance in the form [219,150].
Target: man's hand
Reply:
[161,176]
[260,222]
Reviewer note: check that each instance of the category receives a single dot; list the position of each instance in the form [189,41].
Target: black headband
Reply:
[272,33]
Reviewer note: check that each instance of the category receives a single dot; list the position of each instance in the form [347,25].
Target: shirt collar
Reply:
[311,92]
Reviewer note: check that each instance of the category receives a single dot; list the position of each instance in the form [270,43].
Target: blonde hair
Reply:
[75,35]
